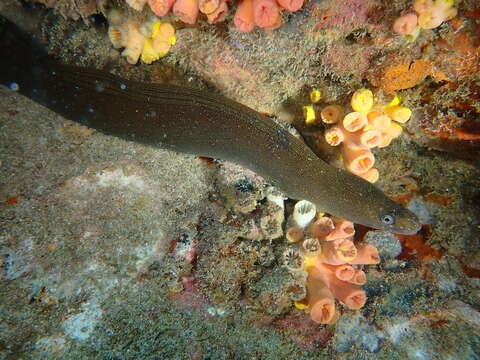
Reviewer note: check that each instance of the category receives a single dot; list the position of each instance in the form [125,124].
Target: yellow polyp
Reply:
[165,31]
[331,138]
[309,261]
[156,28]
[309,114]
[394,131]
[300,305]
[158,45]
[161,46]
[315,96]
[362,100]
[400,114]
[162,54]
[149,54]
[395,101]
[445,3]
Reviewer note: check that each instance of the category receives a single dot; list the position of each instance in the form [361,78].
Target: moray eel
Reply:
[194,122]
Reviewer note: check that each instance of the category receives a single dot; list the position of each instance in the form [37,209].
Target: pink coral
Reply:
[161,7]
[429,15]
[406,24]
[360,131]
[219,14]
[243,19]
[186,10]
[334,270]
[291,5]
[331,275]
[249,13]
[266,14]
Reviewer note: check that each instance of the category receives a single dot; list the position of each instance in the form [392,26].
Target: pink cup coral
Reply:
[244,19]
[429,15]
[219,14]
[431,18]
[161,7]
[333,266]
[266,14]
[341,230]
[358,161]
[249,13]
[208,6]
[406,24]
[372,126]
[291,5]
[420,6]
[322,308]
[186,10]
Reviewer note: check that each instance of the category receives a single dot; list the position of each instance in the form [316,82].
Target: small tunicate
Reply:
[123,86]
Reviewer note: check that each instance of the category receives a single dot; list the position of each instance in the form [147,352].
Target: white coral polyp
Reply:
[303,213]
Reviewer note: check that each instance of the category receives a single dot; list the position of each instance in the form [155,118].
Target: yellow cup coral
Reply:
[362,100]
[399,113]
[165,31]
[160,42]
[149,54]
[368,127]
[315,96]
[309,114]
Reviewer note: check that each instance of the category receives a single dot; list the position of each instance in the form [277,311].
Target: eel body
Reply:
[195,122]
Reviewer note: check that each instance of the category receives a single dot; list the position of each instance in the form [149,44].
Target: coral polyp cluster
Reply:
[325,255]
[428,14]
[149,40]
[249,13]
[368,126]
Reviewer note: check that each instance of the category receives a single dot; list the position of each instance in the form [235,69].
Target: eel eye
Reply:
[388,219]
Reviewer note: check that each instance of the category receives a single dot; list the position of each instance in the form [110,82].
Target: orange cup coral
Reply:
[219,14]
[186,10]
[263,13]
[372,125]
[333,266]
[266,14]
[244,20]
[291,5]
[161,7]
[429,15]
[406,24]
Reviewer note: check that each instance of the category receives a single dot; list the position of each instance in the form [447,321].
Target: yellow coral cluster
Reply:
[325,256]
[309,110]
[148,41]
[159,43]
[369,125]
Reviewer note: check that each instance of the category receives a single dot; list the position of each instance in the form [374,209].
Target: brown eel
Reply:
[194,122]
